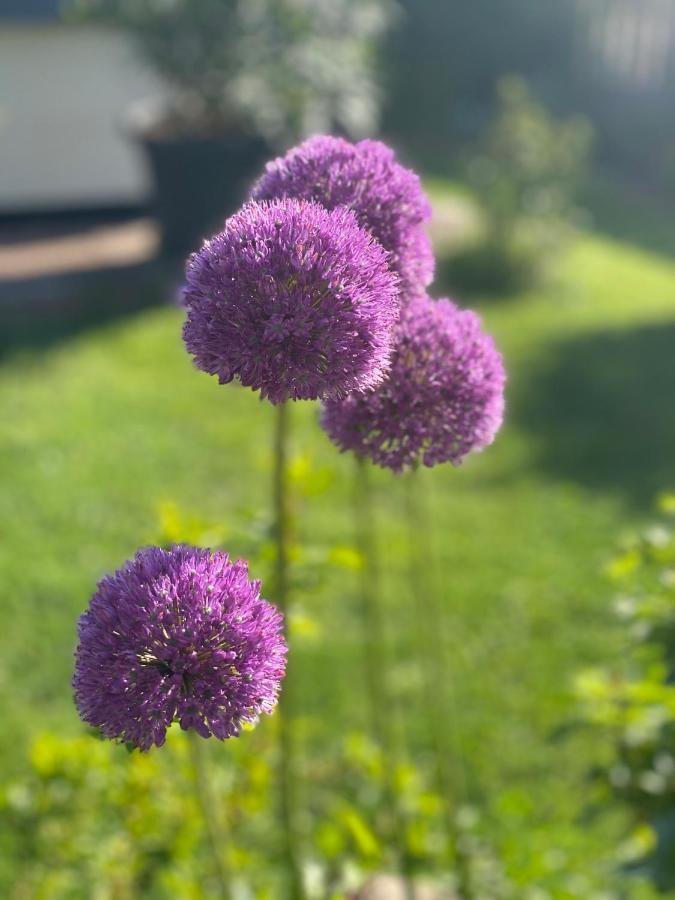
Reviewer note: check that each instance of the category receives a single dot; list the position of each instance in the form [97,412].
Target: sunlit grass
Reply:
[99,430]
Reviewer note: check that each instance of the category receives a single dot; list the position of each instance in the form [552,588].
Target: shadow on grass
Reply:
[480,272]
[602,412]
[632,213]
[43,311]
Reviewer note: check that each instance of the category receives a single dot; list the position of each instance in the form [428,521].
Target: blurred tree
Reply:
[524,172]
[283,68]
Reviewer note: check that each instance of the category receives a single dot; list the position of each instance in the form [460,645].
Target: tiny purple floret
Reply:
[177,635]
[443,398]
[386,198]
[294,300]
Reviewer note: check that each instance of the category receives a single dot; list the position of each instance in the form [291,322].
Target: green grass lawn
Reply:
[100,429]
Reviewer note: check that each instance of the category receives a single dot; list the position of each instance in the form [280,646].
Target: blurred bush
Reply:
[591,57]
[282,68]
[633,702]
[524,174]
[91,820]
[452,55]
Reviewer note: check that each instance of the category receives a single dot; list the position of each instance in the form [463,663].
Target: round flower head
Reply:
[177,635]
[386,198]
[292,299]
[444,396]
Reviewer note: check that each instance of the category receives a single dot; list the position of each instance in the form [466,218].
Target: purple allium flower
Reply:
[294,300]
[177,635]
[444,396]
[387,198]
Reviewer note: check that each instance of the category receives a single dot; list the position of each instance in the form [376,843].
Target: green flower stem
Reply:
[374,645]
[213,822]
[282,536]
[435,665]
[376,657]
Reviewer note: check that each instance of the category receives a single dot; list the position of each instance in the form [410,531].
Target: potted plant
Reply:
[241,75]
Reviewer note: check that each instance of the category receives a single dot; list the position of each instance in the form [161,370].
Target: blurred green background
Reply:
[545,134]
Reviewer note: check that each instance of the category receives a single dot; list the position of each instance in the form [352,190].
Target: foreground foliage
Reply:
[632,702]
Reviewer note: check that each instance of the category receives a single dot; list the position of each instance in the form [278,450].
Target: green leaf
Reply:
[361,833]
[346,558]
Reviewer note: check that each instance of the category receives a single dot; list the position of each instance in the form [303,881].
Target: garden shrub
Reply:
[524,175]
[632,703]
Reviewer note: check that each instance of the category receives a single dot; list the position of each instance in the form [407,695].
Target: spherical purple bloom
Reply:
[387,198]
[294,300]
[444,396]
[177,635]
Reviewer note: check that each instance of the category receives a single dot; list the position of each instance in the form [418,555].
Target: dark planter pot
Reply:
[199,181]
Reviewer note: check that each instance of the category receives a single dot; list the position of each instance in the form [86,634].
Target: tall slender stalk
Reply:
[282,537]
[375,656]
[435,665]
[213,823]
[375,663]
